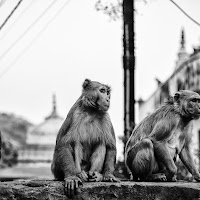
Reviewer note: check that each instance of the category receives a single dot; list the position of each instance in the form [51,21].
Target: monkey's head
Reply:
[96,95]
[187,103]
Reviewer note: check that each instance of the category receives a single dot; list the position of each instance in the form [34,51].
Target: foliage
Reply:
[114,8]
[13,131]
[14,127]
[9,154]
[111,8]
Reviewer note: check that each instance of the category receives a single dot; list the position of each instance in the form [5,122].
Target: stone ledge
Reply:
[53,190]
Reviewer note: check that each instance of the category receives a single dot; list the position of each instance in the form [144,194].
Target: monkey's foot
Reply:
[95,176]
[71,185]
[83,176]
[159,177]
[172,179]
[110,178]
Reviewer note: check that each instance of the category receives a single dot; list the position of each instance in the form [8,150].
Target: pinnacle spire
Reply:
[182,54]
[182,39]
[54,104]
[54,108]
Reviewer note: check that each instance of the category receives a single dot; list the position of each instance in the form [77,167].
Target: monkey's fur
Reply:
[154,144]
[86,147]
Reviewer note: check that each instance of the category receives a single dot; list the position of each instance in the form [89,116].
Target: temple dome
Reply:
[41,139]
[46,132]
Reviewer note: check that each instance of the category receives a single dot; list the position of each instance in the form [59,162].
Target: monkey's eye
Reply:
[196,100]
[102,90]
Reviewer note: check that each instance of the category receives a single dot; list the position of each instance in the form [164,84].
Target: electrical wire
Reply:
[27,30]
[17,19]
[12,12]
[33,40]
[197,23]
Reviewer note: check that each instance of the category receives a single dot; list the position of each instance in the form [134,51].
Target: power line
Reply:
[26,31]
[33,40]
[14,9]
[185,13]
[21,14]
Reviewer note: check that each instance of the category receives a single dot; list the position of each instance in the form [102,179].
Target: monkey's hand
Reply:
[110,178]
[83,176]
[95,176]
[71,185]
[197,178]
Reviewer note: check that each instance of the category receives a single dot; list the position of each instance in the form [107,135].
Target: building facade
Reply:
[41,139]
[186,76]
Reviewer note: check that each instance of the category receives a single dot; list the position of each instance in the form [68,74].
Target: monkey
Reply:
[153,147]
[85,147]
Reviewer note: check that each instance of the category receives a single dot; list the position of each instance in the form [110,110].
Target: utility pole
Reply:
[129,68]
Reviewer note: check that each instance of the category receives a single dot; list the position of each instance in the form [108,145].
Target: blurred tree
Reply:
[112,8]
[14,127]
[9,154]
[13,130]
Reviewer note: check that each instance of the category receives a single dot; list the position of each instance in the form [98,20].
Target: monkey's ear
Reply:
[86,83]
[176,96]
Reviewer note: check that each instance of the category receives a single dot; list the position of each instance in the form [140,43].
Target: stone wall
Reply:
[53,190]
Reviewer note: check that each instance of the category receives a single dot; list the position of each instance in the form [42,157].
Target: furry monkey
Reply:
[86,147]
[154,144]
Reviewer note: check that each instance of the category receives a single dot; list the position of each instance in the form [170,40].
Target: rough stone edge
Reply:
[40,189]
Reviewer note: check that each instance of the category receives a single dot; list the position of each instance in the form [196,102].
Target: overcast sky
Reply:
[158,32]
[41,54]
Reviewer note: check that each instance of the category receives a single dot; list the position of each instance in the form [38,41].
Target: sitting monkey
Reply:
[86,147]
[155,142]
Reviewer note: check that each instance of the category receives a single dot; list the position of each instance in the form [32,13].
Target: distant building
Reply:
[41,139]
[185,76]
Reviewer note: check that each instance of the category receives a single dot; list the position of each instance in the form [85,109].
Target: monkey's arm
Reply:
[64,162]
[97,161]
[162,130]
[66,125]
[163,156]
[188,161]
[63,150]
[109,165]
[70,164]
[160,135]
[110,160]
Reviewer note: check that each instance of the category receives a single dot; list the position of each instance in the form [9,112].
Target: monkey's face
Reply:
[96,95]
[194,106]
[189,103]
[103,100]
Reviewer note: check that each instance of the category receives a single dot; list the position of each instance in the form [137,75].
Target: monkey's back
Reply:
[145,127]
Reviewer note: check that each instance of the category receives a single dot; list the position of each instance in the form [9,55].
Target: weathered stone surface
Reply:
[54,190]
